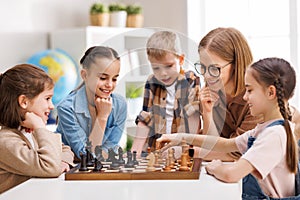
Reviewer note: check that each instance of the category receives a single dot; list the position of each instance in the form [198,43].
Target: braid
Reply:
[292,163]
[280,97]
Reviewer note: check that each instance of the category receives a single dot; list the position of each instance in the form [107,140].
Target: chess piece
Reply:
[83,166]
[129,163]
[184,156]
[135,162]
[171,156]
[168,168]
[89,155]
[150,166]
[111,155]
[121,159]
[97,165]
[98,153]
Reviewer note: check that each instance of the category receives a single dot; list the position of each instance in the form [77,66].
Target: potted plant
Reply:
[118,15]
[135,17]
[99,15]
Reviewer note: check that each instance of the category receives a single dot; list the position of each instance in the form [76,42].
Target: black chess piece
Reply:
[97,165]
[89,155]
[135,162]
[129,163]
[98,153]
[83,166]
[120,154]
[111,155]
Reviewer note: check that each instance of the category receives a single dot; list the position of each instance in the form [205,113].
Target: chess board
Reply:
[138,172]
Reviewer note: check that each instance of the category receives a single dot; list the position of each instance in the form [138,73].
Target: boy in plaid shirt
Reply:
[171,102]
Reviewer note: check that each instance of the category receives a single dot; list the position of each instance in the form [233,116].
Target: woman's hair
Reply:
[23,79]
[162,42]
[230,45]
[278,72]
[92,53]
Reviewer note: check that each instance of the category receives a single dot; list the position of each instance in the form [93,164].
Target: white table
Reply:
[57,188]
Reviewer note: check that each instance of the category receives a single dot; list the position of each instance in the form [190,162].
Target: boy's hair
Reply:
[97,52]
[278,72]
[163,42]
[23,79]
[230,45]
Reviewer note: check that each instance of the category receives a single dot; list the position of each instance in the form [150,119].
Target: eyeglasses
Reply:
[213,70]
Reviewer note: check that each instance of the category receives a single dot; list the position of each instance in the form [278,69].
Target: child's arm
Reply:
[229,172]
[204,141]
[103,109]
[19,158]
[140,138]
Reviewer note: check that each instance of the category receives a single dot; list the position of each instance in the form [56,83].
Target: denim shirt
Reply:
[75,121]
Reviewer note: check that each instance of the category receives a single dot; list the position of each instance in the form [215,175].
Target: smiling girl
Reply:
[92,112]
[27,148]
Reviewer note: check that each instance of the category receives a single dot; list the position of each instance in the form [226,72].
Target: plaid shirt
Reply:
[154,107]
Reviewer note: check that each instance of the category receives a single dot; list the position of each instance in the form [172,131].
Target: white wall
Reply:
[25,23]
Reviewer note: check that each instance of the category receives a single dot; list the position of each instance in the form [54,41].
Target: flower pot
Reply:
[135,20]
[101,19]
[118,18]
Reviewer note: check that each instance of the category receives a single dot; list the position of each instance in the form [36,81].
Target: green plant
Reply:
[133,9]
[97,8]
[116,7]
[132,91]
[129,143]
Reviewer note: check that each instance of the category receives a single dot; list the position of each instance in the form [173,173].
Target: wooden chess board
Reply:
[139,172]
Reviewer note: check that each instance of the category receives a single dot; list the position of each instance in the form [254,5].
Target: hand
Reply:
[168,140]
[211,167]
[33,121]
[103,107]
[208,99]
[64,167]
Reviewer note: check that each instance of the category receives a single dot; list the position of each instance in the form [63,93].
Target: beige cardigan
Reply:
[19,161]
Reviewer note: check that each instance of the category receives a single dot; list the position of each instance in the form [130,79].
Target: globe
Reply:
[62,69]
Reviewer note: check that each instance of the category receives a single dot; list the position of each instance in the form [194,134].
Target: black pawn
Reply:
[129,163]
[83,162]
[135,162]
[120,153]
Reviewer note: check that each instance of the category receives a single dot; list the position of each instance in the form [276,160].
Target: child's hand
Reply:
[168,140]
[211,167]
[208,99]
[64,166]
[33,121]
[103,107]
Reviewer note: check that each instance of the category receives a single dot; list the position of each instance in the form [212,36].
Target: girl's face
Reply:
[101,78]
[42,104]
[256,95]
[167,69]
[225,79]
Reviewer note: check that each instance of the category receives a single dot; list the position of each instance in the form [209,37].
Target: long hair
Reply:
[278,72]
[230,45]
[23,79]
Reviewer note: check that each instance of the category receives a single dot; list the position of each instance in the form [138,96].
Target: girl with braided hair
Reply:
[270,156]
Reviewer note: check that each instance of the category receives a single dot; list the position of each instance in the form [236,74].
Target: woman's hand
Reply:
[103,107]
[208,99]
